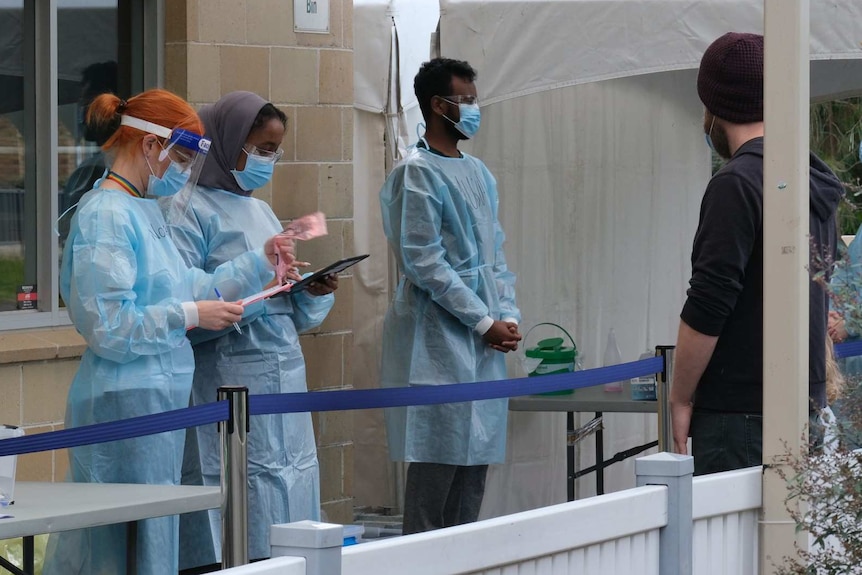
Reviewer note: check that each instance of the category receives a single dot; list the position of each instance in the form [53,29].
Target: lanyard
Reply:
[125,184]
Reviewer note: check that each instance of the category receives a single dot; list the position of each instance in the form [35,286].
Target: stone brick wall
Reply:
[36,370]
[216,46]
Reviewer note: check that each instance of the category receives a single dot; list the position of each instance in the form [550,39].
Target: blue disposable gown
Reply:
[440,218]
[847,284]
[284,478]
[123,283]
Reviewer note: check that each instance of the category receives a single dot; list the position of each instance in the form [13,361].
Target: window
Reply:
[55,56]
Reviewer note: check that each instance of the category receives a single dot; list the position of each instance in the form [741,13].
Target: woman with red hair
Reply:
[131,296]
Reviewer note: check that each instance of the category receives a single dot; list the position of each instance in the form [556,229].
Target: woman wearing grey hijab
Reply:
[222,220]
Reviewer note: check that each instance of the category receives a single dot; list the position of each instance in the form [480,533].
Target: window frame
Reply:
[145,53]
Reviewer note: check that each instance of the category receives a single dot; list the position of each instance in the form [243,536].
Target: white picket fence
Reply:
[275,566]
[614,534]
[725,509]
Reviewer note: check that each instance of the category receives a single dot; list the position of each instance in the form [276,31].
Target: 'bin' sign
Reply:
[311,16]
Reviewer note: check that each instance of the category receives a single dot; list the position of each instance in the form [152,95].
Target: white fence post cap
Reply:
[665,464]
[307,534]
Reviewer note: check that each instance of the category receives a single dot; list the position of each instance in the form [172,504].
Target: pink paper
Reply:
[305,228]
[265,294]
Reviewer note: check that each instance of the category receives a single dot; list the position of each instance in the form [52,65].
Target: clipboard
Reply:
[299,286]
[332,268]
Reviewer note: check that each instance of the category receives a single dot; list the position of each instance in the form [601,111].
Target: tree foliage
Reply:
[835,135]
[836,130]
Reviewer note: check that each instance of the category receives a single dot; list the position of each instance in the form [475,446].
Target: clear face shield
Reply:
[187,152]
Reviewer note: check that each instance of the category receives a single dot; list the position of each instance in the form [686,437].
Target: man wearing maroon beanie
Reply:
[717,390]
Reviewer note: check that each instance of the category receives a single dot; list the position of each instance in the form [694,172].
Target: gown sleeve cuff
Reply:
[190,310]
[266,263]
[484,325]
[510,320]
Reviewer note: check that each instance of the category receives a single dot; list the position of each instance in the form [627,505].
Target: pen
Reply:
[235,325]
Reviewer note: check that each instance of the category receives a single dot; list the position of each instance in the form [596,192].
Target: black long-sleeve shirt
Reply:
[726,294]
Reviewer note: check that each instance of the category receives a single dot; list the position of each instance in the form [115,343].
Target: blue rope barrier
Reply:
[268,404]
[849,349]
[342,400]
[116,430]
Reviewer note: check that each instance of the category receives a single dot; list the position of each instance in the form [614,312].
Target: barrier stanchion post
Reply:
[234,477]
[663,381]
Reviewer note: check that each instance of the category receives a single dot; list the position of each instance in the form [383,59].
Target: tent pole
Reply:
[786,257]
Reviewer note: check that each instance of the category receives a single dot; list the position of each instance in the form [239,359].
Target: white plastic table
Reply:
[52,507]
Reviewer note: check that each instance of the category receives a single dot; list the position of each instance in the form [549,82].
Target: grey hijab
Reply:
[227,123]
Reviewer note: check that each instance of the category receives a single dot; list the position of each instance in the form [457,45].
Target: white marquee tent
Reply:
[592,126]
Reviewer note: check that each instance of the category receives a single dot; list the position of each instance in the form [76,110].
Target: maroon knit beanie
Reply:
[730,79]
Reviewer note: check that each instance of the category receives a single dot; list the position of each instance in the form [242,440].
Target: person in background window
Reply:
[99,78]
[132,298]
[222,221]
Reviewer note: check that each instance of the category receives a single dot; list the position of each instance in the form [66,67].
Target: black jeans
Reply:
[439,495]
[726,441]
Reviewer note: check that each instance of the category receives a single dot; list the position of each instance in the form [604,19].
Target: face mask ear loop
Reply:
[147,160]
[454,123]
[421,135]
[711,126]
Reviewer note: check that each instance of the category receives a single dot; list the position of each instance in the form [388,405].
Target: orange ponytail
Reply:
[157,106]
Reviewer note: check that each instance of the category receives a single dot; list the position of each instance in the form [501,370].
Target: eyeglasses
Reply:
[182,158]
[173,152]
[267,155]
[461,99]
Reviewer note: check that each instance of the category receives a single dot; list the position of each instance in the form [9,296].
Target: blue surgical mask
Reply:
[709,142]
[256,174]
[171,182]
[708,136]
[860,151]
[471,117]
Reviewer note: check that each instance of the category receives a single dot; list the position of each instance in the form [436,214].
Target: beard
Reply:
[718,135]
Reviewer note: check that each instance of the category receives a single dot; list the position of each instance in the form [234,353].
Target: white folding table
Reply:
[52,507]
